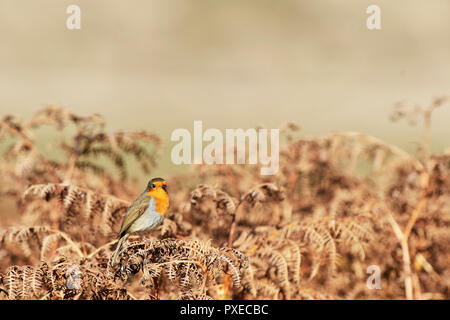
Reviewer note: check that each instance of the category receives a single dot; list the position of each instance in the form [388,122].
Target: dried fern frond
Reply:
[35,239]
[264,193]
[23,282]
[224,204]
[192,264]
[101,213]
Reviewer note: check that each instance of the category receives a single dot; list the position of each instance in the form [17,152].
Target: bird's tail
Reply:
[119,246]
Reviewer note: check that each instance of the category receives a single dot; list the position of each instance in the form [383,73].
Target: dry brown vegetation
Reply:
[337,205]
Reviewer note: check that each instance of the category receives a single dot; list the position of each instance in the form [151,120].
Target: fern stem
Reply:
[403,237]
[70,242]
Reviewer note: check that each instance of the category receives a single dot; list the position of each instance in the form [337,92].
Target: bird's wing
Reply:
[136,209]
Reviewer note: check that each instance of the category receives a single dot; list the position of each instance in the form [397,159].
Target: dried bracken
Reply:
[339,204]
[192,266]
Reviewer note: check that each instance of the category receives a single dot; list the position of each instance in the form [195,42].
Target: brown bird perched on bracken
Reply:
[145,213]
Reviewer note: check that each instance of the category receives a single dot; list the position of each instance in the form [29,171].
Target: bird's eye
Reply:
[153,185]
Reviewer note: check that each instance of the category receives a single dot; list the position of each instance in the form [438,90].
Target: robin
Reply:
[145,213]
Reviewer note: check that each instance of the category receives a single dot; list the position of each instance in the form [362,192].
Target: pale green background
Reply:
[159,65]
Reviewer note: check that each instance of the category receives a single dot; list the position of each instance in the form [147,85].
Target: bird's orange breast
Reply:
[161,200]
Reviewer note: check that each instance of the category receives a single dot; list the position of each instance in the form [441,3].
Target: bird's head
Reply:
[157,188]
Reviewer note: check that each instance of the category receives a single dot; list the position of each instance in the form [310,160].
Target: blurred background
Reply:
[160,65]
